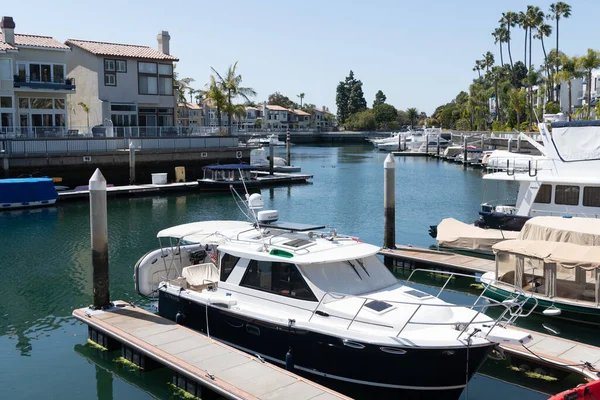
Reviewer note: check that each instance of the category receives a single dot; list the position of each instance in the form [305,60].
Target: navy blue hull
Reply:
[327,359]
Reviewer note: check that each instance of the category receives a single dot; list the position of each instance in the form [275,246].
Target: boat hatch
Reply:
[297,243]
[417,293]
[379,307]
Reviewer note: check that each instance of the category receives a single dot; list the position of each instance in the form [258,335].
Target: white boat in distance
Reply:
[272,139]
[412,140]
[320,303]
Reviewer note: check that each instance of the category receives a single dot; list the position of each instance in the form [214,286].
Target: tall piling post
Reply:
[519,142]
[427,144]
[288,147]
[509,145]
[400,136]
[99,240]
[131,163]
[465,150]
[437,147]
[271,157]
[482,141]
[389,207]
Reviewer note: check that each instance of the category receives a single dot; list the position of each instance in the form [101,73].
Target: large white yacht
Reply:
[320,303]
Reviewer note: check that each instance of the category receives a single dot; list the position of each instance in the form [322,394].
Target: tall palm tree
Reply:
[508,19]
[522,22]
[478,67]
[230,85]
[559,10]
[488,60]
[570,70]
[216,97]
[534,16]
[499,34]
[588,63]
[532,79]
[301,97]
[412,114]
[545,30]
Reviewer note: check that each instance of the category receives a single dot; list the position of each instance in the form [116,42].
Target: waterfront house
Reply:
[189,115]
[275,117]
[249,120]
[595,90]
[299,119]
[129,86]
[322,118]
[33,83]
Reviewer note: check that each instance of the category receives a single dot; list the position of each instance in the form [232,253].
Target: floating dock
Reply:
[411,154]
[129,191]
[199,363]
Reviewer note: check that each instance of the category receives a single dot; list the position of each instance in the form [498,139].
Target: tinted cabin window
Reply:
[276,277]
[227,263]
[568,195]
[591,196]
[544,195]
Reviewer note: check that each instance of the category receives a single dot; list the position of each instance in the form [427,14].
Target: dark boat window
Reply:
[417,293]
[378,306]
[227,263]
[544,195]
[591,196]
[277,277]
[568,195]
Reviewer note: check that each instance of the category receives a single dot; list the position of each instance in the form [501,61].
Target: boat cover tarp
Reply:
[458,235]
[582,231]
[26,190]
[568,255]
[577,143]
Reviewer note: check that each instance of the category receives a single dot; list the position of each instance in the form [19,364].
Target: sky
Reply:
[420,53]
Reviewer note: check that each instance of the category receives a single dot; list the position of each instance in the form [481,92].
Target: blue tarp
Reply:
[230,167]
[26,190]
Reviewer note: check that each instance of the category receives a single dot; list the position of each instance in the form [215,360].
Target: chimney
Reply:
[8,29]
[163,42]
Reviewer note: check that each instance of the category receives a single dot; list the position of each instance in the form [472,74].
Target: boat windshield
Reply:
[354,277]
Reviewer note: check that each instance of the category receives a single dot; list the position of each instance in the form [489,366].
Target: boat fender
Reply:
[179,318]
[552,312]
[289,360]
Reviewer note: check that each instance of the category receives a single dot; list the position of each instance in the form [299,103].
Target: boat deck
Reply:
[424,258]
[224,370]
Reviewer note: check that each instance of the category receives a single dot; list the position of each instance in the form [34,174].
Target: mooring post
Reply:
[437,147]
[131,163]
[400,135]
[389,207]
[482,141]
[427,144]
[519,142]
[509,145]
[465,150]
[270,157]
[288,148]
[99,235]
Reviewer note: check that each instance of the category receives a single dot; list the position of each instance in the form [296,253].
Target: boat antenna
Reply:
[251,208]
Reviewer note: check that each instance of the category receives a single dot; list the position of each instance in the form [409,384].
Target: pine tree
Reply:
[356,102]
[379,99]
[341,100]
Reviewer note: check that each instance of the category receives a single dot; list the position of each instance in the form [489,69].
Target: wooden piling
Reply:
[99,240]
[131,163]
[389,206]
[270,157]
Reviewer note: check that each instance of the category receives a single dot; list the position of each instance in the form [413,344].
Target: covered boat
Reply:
[27,192]
[223,177]
[453,234]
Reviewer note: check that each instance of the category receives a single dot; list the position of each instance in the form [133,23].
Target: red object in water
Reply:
[589,391]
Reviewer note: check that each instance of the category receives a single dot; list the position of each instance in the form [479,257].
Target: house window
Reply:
[121,65]
[568,195]
[58,73]
[5,70]
[148,84]
[34,72]
[41,104]
[147,68]
[165,86]
[109,65]
[110,80]
[227,263]
[544,195]
[591,196]
[5,102]
[165,69]
[23,102]
[276,277]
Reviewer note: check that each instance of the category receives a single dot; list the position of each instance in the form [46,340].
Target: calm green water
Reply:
[45,264]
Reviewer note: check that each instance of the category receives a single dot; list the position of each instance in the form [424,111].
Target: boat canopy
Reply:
[229,167]
[568,255]
[458,235]
[199,231]
[578,141]
[581,231]
[26,190]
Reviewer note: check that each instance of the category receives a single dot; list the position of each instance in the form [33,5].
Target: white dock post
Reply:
[131,163]
[519,142]
[99,240]
[389,206]
[427,145]
[288,147]
[509,145]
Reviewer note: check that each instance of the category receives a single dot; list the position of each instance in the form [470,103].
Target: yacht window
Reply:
[544,195]
[227,263]
[568,195]
[276,277]
[591,196]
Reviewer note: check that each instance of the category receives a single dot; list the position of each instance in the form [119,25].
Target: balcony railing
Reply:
[64,84]
[50,132]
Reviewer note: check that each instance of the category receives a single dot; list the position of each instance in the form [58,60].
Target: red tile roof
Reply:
[121,50]
[33,41]
[300,112]
[191,106]
[276,108]
[5,46]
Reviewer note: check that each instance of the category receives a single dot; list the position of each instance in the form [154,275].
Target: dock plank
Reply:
[437,259]
[234,374]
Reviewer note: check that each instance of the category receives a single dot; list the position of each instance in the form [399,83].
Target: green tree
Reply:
[533,79]
[342,97]
[479,65]
[181,85]
[412,114]
[277,99]
[384,114]
[523,23]
[508,20]
[588,63]
[519,73]
[362,121]
[86,109]
[559,10]
[570,70]
[216,97]
[518,102]
[301,97]
[488,61]
[499,35]
[379,98]
[356,102]
[545,30]
[230,85]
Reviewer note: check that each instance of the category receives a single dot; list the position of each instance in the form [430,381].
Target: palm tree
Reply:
[412,114]
[230,85]
[301,96]
[570,70]
[588,63]
[545,30]
[488,60]
[521,21]
[216,97]
[534,16]
[559,10]
[532,79]
[86,109]
[517,100]
[509,21]
[477,67]
[499,35]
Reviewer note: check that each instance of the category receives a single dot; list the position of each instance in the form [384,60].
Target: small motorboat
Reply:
[27,192]
[586,391]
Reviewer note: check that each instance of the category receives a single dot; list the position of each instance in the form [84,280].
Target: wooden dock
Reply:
[129,190]
[427,258]
[197,361]
[410,154]
[558,353]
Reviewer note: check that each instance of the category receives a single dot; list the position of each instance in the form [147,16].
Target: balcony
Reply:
[64,85]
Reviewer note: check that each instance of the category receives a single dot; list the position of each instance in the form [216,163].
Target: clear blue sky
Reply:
[420,53]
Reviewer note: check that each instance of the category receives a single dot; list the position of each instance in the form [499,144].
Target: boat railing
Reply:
[511,308]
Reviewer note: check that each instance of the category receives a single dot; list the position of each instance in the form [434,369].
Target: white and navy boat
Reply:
[320,303]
